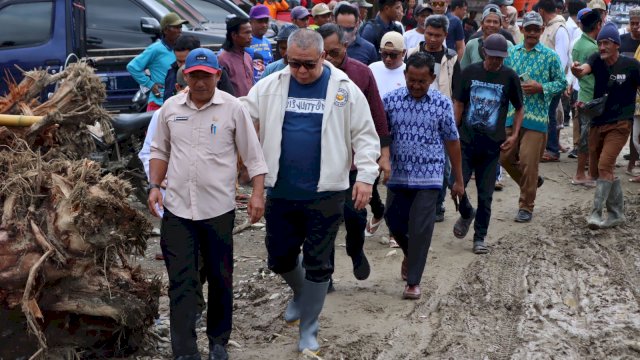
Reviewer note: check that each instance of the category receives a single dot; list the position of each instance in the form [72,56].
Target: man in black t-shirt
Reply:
[630,41]
[482,101]
[618,77]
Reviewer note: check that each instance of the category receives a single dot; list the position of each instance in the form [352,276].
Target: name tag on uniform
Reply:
[181,118]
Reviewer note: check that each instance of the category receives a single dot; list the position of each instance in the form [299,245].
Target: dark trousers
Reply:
[410,217]
[312,224]
[181,240]
[480,158]
[377,206]
[553,142]
[355,221]
[445,184]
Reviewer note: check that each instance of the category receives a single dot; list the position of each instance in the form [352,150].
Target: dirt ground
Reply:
[548,289]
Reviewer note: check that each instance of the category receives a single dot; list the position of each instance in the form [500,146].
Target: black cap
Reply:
[420,8]
[496,45]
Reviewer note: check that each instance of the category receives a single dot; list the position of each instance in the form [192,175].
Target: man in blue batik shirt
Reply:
[422,127]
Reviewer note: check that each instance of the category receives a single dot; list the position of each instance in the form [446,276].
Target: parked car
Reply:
[619,12]
[51,33]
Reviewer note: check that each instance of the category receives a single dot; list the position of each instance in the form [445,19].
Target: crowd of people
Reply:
[420,97]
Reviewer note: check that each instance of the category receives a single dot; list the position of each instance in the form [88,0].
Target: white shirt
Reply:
[386,79]
[562,46]
[412,38]
[145,153]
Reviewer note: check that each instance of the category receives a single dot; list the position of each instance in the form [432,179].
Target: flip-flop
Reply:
[549,158]
[585,183]
[393,243]
[371,227]
[462,225]
[635,179]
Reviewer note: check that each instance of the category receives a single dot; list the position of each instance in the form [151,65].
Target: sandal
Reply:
[548,157]
[480,248]
[462,225]
[372,227]
[393,243]
[585,182]
[635,179]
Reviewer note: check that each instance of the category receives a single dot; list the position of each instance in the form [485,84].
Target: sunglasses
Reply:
[438,3]
[390,55]
[333,52]
[309,65]
[348,29]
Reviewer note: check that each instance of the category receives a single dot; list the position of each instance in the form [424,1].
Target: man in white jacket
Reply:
[312,120]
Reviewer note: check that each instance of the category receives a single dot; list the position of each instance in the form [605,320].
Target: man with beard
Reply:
[491,24]
[346,16]
[619,77]
[235,61]
[356,220]
[486,91]
[542,78]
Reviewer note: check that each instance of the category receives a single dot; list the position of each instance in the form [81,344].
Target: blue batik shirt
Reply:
[419,129]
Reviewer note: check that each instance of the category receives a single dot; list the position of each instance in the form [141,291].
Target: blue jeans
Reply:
[553,142]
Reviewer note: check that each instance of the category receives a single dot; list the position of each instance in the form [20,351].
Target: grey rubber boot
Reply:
[295,280]
[603,188]
[311,303]
[615,206]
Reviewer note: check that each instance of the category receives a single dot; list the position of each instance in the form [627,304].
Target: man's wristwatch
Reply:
[153,186]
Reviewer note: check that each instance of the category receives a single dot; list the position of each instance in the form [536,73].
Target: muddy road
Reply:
[547,289]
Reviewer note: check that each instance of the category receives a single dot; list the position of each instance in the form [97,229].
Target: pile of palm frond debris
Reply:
[67,229]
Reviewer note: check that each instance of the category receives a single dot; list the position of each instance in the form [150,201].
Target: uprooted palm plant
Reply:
[67,230]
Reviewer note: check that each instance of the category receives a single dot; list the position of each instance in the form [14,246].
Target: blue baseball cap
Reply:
[583,12]
[202,59]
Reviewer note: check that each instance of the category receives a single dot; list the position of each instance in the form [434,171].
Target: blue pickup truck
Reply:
[49,34]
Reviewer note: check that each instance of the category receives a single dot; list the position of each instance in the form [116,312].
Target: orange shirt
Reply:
[275,6]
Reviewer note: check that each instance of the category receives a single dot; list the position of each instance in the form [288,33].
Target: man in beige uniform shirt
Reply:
[195,146]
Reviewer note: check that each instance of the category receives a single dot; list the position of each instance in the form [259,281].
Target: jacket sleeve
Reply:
[377,111]
[364,140]
[251,102]
[139,64]
[248,145]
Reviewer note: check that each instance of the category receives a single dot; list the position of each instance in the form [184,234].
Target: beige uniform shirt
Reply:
[201,147]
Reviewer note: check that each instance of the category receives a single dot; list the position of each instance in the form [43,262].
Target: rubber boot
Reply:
[311,303]
[603,188]
[615,206]
[295,280]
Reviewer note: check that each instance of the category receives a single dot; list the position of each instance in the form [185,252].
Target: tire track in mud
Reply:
[553,290]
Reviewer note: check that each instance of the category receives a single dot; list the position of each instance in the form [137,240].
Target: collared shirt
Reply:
[582,50]
[362,76]
[201,147]
[362,50]
[239,66]
[419,130]
[540,64]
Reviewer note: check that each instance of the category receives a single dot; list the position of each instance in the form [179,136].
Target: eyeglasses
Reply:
[390,55]
[309,65]
[348,29]
[438,3]
[334,53]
